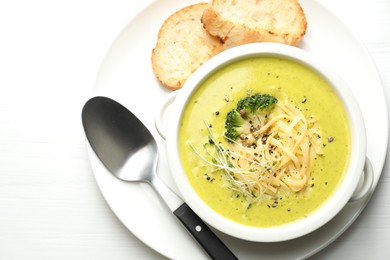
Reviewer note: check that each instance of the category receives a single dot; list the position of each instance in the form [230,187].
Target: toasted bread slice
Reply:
[238,22]
[182,46]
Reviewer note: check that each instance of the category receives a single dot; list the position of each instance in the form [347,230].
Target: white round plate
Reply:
[126,76]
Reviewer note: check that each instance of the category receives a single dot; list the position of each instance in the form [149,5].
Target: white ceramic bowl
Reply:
[350,189]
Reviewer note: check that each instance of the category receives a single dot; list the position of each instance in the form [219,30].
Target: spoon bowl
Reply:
[108,127]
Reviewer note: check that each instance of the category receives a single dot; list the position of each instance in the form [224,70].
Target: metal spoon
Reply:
[128,150]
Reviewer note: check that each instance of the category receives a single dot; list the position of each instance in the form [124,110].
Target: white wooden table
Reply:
[50,205]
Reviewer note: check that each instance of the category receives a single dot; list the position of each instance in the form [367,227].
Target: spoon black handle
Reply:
[203,234]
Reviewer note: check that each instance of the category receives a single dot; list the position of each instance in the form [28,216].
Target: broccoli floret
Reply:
[234,124]
[252,105]
[245,117]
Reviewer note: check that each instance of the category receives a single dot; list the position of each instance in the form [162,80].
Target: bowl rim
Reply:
[318,217]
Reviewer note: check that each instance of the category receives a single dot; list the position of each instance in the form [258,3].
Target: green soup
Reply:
[288,81]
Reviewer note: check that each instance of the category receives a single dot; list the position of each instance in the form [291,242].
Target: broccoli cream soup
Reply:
[264,141]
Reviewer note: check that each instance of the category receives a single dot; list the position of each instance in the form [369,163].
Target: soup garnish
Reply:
[270,150]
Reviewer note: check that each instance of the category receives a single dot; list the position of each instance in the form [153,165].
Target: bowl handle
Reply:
[365,183]
[160,119]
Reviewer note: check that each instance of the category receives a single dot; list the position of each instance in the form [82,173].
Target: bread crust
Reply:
[182,46]
[238,22]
